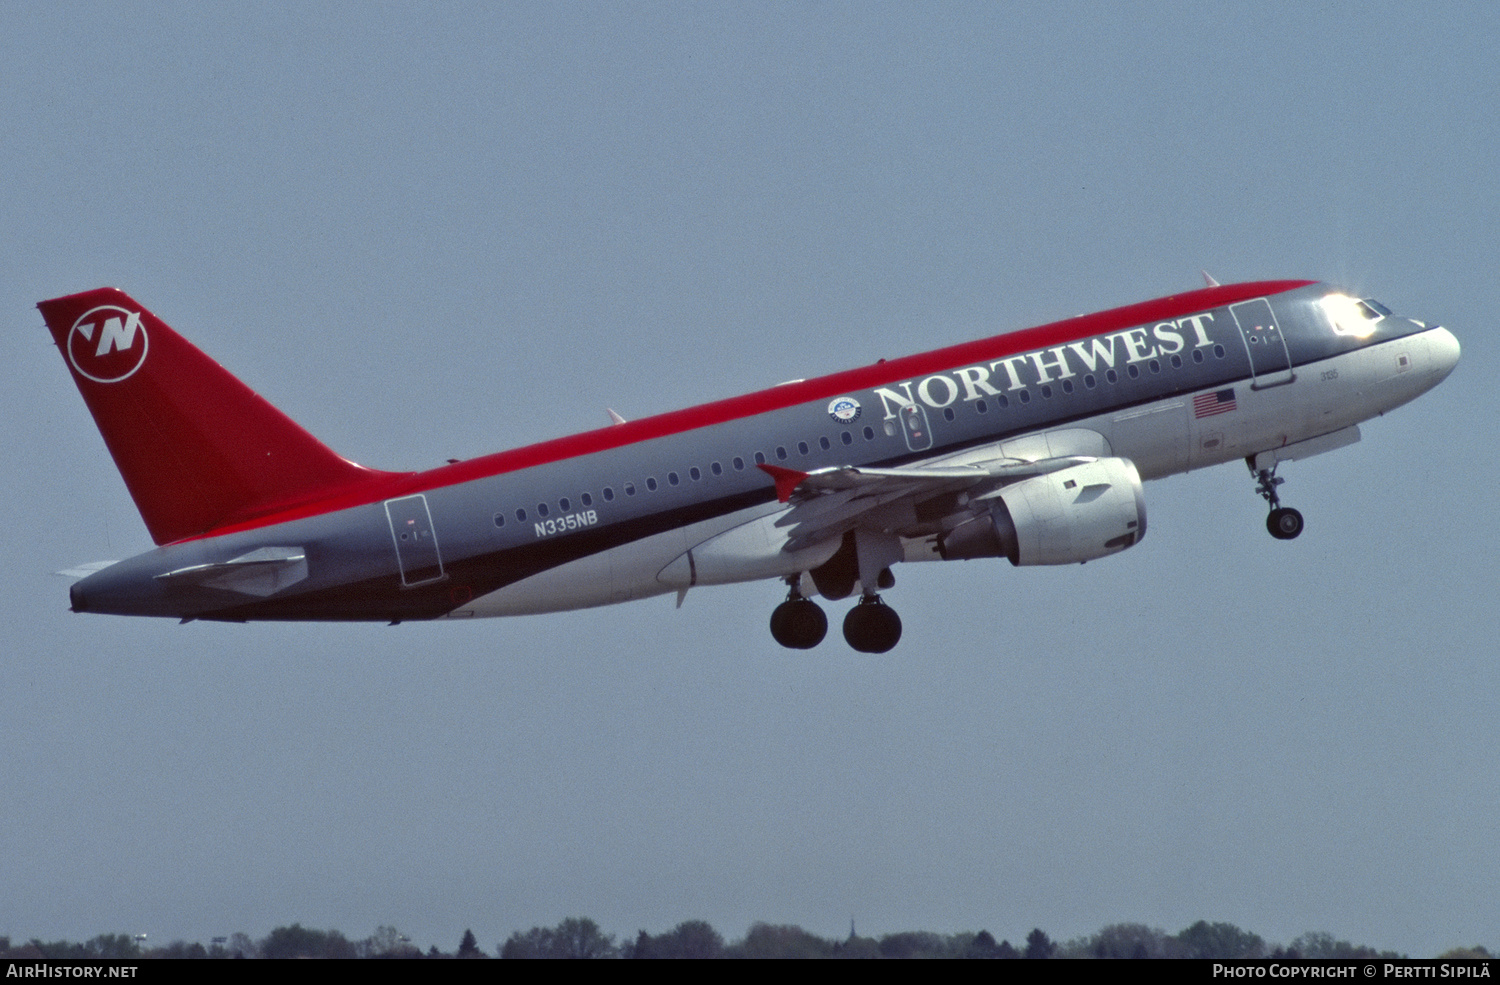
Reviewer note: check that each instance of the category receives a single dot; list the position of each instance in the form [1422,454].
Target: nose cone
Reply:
[1443,349]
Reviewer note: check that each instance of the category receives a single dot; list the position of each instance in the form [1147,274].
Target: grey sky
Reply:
[437,231]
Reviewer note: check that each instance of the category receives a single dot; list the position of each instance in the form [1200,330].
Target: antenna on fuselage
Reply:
[1208,280]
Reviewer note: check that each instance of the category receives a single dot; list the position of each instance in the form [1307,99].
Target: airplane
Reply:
[1030,446]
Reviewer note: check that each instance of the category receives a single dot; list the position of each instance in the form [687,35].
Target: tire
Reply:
[1284,523]
[798,624]
[872,627]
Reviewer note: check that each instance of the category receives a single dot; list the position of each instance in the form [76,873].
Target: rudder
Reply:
[196,447]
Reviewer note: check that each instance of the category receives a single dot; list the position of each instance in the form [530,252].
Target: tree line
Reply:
[580,937]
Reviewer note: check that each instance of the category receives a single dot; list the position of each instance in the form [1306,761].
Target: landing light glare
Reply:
[1350,317]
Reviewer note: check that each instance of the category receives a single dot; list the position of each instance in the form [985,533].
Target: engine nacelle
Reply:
[1065,517]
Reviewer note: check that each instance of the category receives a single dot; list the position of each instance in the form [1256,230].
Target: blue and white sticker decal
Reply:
[845,410]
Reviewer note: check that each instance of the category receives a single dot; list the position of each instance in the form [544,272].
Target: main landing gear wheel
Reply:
[798,623]
[1284,523]
[872,626]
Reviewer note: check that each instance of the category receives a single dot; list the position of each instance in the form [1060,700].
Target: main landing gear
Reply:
[872,626]
[799,623]
[1284,523]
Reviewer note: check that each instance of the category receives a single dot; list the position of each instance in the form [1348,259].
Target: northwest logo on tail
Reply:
[107,344]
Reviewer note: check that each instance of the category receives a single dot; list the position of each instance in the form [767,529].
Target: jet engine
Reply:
[1069,516]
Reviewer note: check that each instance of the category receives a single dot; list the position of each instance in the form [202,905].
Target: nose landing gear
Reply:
[1284,523]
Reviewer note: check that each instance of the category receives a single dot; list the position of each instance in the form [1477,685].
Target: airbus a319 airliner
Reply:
[1029,446]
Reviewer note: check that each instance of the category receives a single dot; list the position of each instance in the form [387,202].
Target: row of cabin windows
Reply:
[586,500]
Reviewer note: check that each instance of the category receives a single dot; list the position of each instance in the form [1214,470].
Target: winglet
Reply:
[787,480]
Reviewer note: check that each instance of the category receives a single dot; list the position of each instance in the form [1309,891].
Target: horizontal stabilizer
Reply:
[262,572]
[84,570]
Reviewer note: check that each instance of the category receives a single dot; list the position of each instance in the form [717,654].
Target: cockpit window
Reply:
[1354,317]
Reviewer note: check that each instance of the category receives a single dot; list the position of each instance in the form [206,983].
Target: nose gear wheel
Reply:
[1284,523]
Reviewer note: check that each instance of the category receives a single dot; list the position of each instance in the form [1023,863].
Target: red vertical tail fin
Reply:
[196,447]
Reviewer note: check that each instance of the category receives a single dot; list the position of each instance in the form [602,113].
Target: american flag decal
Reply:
[1218,402]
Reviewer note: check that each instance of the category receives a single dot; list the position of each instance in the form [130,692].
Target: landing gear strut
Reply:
[872,626]
[1284,523]
[798,623]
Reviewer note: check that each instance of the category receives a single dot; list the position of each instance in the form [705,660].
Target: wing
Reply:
[920,501]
